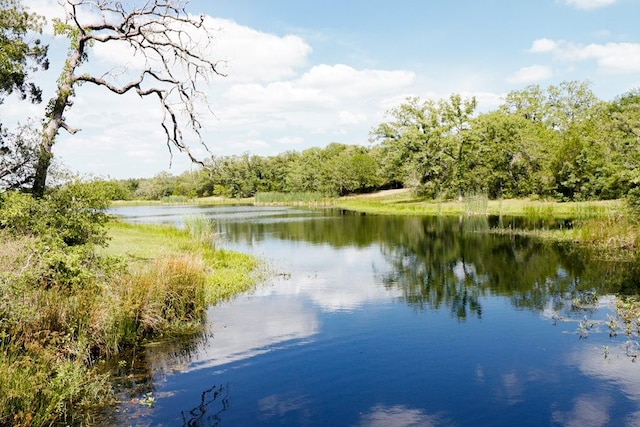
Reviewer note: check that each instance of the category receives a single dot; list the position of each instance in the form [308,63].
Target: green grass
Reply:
[405,204]
[295,198]
[605,226]
[56,333]
[227,272]
[182,200]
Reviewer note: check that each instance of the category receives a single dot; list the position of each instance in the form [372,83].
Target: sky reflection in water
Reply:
[398,321]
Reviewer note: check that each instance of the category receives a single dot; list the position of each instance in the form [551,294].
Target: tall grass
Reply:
[274,198]
[53,335]
[476,204]
[201,228]
[175,200]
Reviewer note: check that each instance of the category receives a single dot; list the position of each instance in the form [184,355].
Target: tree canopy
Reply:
[19,55]
[559,142]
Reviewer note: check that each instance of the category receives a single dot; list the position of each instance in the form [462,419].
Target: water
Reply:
[385,321]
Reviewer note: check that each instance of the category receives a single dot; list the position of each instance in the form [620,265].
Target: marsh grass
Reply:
[175,200]
[294,198]
[202,229]
[476,204]
[54,334]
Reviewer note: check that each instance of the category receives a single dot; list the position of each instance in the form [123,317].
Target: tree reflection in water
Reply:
[453,261]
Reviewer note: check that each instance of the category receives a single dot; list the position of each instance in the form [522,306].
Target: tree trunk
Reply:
[55,118]
[45,154]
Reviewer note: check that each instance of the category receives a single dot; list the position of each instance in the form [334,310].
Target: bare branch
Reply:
[173,46]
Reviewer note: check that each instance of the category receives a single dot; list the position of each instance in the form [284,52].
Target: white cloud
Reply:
[531,74]
[612,58]
[251,55]
[543,45]
[350,118]
[290,140]
[349,82]
[590,4]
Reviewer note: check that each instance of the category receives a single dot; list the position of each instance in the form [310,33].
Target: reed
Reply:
[278,198]
[201,228]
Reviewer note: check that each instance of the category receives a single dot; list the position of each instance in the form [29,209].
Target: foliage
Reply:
[19,56]
[73,214]
[65,307]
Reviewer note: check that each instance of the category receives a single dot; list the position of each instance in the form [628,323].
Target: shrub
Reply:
[74,213]
[633,200]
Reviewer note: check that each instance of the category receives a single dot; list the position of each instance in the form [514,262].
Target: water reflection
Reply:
[402,321]
[213,402]
[400,416]
[246,328]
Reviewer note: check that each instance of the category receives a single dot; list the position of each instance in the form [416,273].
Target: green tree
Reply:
[425,144]
[18,55]
[509,155]
[623,130]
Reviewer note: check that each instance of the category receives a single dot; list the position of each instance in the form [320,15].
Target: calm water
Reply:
[385,321]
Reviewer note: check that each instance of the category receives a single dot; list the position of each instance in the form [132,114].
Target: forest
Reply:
[557,142]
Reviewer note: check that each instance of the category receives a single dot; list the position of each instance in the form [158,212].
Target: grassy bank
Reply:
[602,225]
[64,311]
[181,200]
[227,273]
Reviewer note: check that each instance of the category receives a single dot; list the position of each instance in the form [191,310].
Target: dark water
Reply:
[386,321]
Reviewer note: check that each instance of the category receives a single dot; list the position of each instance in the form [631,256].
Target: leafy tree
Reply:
[18,55]
[161,185]
[161,32]
[509,155]
[425,143]
[570,112]
[624,131]
[409,143]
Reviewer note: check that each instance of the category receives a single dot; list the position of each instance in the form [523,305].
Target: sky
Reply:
[305,74]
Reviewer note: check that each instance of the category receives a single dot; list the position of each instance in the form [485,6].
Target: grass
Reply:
[183,200]
[227,272]
[603,225]
[56,330]
[295,198]
[406,204]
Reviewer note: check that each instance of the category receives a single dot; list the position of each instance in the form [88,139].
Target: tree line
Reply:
[559,142]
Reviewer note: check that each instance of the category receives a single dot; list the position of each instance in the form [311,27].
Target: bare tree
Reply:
[171,42]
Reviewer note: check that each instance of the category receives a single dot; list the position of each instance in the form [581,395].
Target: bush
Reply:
[633,200]
[74,213]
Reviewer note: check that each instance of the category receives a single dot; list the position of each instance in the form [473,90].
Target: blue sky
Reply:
[302,74]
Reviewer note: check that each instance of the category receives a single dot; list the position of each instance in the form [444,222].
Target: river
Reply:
[396,321]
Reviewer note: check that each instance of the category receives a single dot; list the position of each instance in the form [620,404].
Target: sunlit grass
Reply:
[294,198]
[227,272]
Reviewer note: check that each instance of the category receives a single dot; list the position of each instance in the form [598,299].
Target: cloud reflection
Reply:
[278,405]
[252,326]
[345,281]
[618,367]
[588,411]
[398,416]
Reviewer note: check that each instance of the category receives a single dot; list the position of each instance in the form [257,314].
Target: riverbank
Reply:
[606,226]
[66,311]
